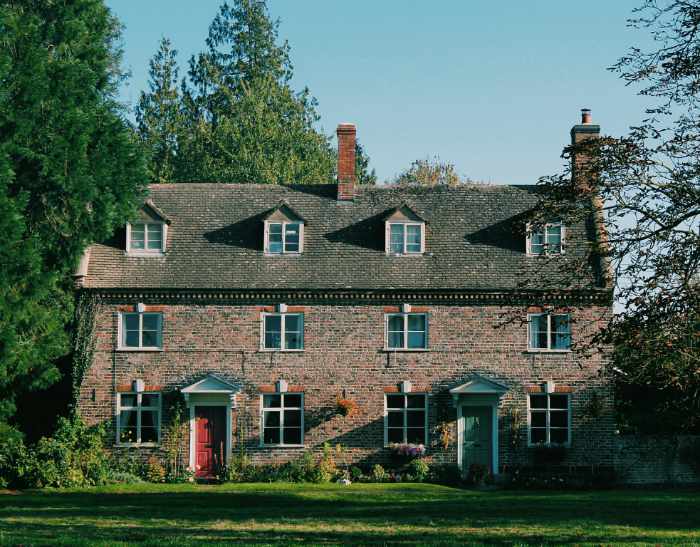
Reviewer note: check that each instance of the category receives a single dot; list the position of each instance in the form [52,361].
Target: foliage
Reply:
[419,470]
[446,473]
[445,434]
[85,339]
[408,451]
[477,474]
[429,172]
[15,462]
[515,422]
[378,474]
[646,184]
[155,470]
[125,462]
[73,457]
[242,120]
[561,477]
[122,477]
[159,114]
[363,174]
[70,172]
[174,436]
[347,407]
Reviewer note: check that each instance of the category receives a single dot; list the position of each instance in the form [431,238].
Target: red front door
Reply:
[210,439]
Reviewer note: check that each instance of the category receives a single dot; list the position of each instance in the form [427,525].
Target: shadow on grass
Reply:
[359,514]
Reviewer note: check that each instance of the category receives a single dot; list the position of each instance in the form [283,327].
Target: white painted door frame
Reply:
[205,399]
[478,400]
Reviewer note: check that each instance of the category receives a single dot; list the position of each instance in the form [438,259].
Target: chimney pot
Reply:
[586,116]
[346,161]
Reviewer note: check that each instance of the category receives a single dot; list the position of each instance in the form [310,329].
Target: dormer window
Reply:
[145,238]
[547,239]
[405,238]
[148,235]
[284,231]
[283,237]
[405,232]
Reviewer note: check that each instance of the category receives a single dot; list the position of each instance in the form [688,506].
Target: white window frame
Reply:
[120,332]
[283,333]
[284,224]
[146,251]
[405,411]
[405,238]
[550,333]
[138,409]
[404,315]
[548,411]
[546,251]
[281,410]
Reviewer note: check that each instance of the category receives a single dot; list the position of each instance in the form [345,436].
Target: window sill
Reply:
[282,446]
[405,350]
[138,445]
[282,255]
[552,351]
[140,350]
[406,255]
[264,350]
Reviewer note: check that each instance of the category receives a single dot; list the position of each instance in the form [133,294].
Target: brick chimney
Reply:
[346,161]
[579,133]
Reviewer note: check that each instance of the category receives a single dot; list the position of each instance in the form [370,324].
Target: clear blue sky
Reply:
[493,87]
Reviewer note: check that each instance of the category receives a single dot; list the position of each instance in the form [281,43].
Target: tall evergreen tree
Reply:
[364,174]
[244,121]
[70,172]
[158,114]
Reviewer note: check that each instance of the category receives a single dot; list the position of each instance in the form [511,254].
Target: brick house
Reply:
[265,305]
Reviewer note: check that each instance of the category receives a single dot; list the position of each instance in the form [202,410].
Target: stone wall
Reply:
[655,459]
[344,356]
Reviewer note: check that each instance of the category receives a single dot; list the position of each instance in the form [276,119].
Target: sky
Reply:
[490,86]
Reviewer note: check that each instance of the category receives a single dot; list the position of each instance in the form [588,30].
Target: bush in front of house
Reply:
[73,457]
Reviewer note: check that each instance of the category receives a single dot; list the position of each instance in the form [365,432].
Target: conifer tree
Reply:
[70,172]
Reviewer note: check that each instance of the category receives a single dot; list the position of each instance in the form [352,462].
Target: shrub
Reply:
[327,465]
[16,461]
[126,462]
[477,474]
[356,473]
[690,453]
[378,473]
[419,470]
[155,472]
[73,457]
[446,473]
[238,469]
[121,477]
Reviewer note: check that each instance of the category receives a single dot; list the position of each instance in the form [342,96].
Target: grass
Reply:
[358,514]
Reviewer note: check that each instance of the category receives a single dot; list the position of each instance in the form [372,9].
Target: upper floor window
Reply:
[549,331]
[283,331]
[283,237]
[548,417]
[138,418]
[145,238]
[283,419]
[406,418]
[141,331]
[406,331]
[548,239]
[406,238]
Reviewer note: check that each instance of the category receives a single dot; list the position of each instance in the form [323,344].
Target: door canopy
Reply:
[478,385]
[211,385]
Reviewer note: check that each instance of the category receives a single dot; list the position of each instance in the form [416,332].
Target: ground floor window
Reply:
[283,419]
[549,419]
[406,418]
[138,418]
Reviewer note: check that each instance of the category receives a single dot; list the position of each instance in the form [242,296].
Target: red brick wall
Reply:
[344,356]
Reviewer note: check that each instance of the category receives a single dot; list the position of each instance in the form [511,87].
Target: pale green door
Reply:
[476,436]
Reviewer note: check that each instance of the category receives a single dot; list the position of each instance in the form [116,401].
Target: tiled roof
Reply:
[474,240]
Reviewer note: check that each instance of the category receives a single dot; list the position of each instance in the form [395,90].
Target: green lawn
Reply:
[357,514]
